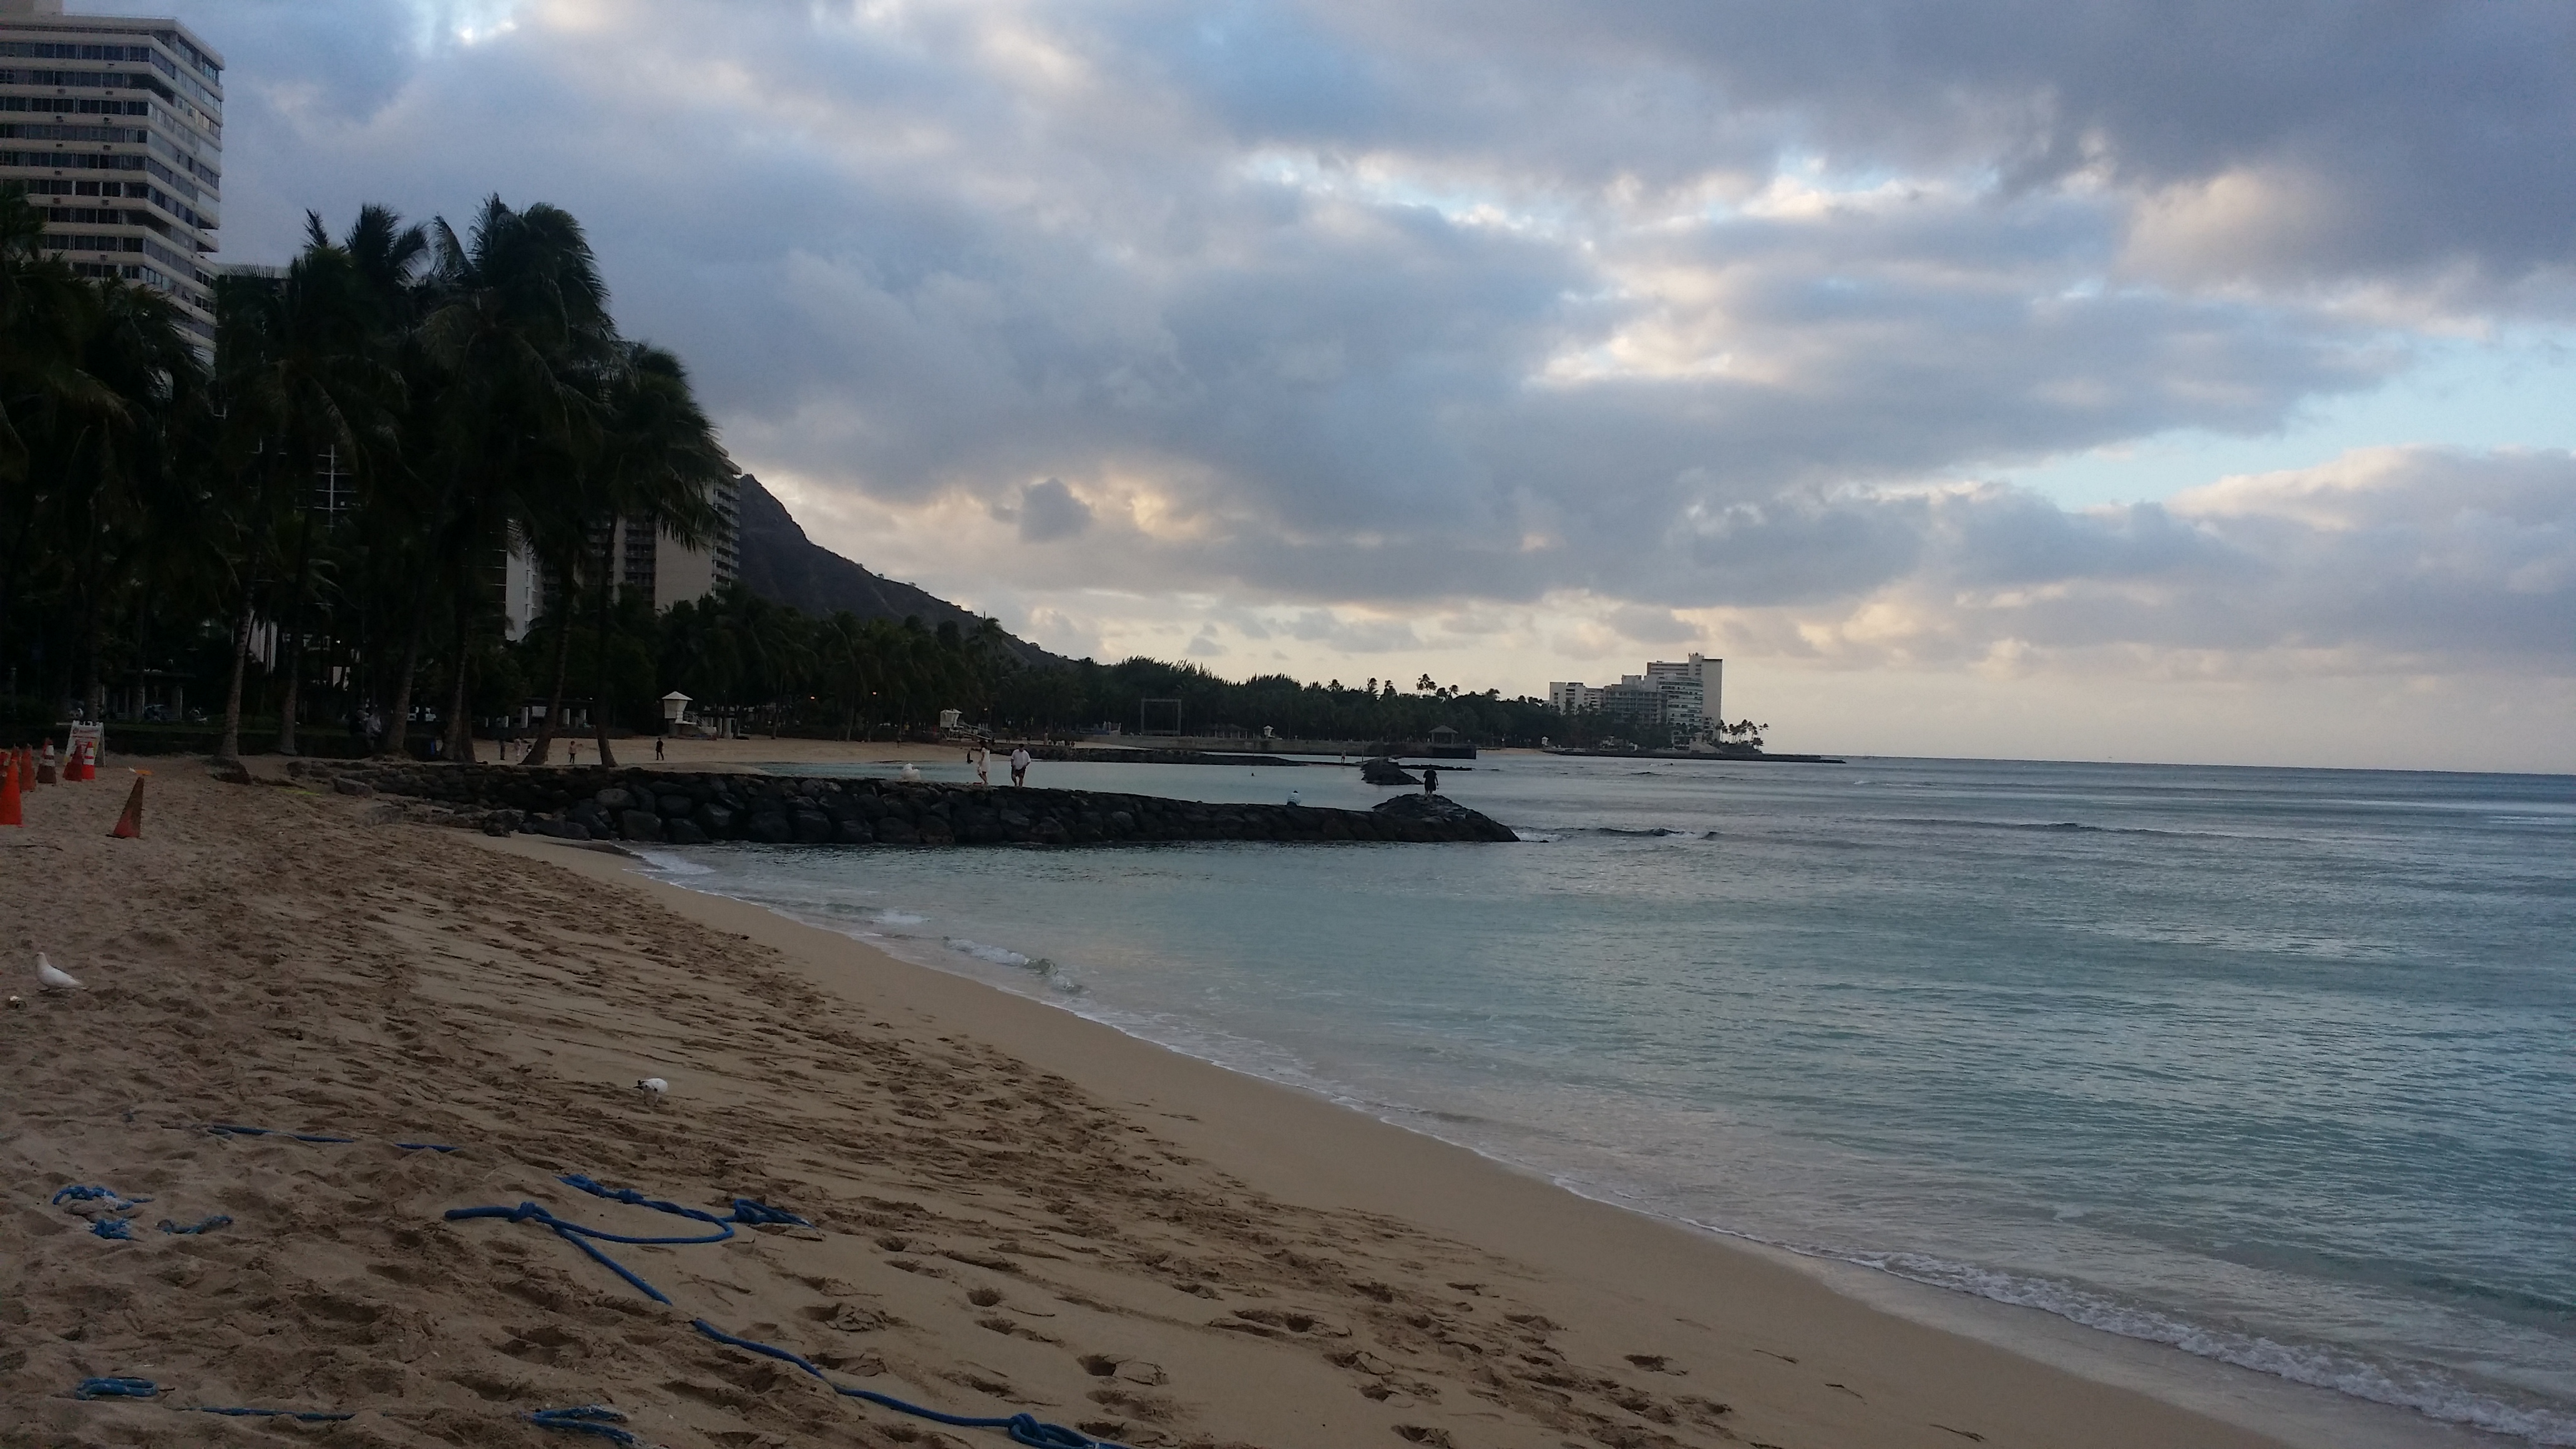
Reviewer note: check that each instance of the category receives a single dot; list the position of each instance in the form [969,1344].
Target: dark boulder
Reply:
[683,831]
[1437,817]
[813,827]
[853,830]
[772,828]
[639,825]
[1383,771]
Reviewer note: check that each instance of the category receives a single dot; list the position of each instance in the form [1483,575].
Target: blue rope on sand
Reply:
[588,1419]
[117,1229]
[234,1129]
[113,1388]
[117,1202]
[1025,1429]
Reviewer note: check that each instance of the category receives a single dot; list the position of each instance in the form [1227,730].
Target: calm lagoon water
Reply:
[2274,1066]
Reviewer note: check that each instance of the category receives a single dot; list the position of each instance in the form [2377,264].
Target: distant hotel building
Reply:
[1687,698]
[115,127]
[645,561]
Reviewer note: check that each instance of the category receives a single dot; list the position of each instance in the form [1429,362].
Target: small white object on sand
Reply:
[653,1087]
[54,977]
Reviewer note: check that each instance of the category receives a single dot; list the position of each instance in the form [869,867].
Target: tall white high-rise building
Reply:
[1697,688]
[1687,697]
[642,560]
[115,128]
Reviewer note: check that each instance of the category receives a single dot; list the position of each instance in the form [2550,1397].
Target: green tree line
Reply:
[307,529]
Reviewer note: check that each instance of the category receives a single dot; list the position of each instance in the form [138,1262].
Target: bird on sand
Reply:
[652,1088]
[53,977]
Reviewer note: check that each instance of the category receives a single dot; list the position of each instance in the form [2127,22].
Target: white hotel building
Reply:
[1688,697]
[115,128]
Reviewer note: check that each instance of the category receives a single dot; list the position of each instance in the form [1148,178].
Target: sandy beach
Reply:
[1013,1210]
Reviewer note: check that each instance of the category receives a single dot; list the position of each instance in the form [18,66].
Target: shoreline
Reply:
[2272,1408]
[1018,1209]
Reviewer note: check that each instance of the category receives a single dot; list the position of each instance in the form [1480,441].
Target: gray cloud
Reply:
[1679,306]
[1047,511]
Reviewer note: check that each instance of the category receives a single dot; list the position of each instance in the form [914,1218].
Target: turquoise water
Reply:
[2275,1066]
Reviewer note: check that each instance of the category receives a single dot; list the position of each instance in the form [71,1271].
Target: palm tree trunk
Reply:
[397,741]
[230,747]
[537,747]
[293,652]
[599,694]
[460,727]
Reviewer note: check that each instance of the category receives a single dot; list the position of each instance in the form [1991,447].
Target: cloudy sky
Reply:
[2180,381]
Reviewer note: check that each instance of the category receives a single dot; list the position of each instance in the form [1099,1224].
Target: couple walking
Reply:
[1019,765]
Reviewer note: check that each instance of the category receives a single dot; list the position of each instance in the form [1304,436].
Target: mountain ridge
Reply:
[780,563]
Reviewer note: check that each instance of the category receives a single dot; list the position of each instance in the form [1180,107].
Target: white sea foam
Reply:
[2426,1389]
[669,864]
[1064,978]
[998,955]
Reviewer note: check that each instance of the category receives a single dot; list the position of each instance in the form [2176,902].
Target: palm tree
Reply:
[302,369]
[41,382]
[522,345]
[659,468]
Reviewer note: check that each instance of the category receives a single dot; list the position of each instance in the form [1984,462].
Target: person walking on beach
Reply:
[1431,779]
[983,759]
[1020,766]
[657,749]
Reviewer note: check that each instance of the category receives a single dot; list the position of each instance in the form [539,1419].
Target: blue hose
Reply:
[587,1419]
[1024,1429]
[114,1388]
[117,1202]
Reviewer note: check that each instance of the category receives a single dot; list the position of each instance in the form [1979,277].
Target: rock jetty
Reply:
[699,807]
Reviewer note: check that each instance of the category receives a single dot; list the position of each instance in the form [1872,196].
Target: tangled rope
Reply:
[596,1419]
[119,1228]
[121,1388]
[116,1202]
[1023,1429]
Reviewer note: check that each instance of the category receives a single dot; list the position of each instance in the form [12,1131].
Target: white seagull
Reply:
[54,977]
[653,1088]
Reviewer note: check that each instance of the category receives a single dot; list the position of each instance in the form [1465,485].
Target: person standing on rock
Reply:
[983,759]
[1431,779]
[1020,766]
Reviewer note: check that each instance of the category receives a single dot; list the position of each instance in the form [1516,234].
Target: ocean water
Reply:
[2276,1067]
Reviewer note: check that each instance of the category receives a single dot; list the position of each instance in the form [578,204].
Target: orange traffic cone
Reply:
[129,826]
[10,813]
[89,760]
